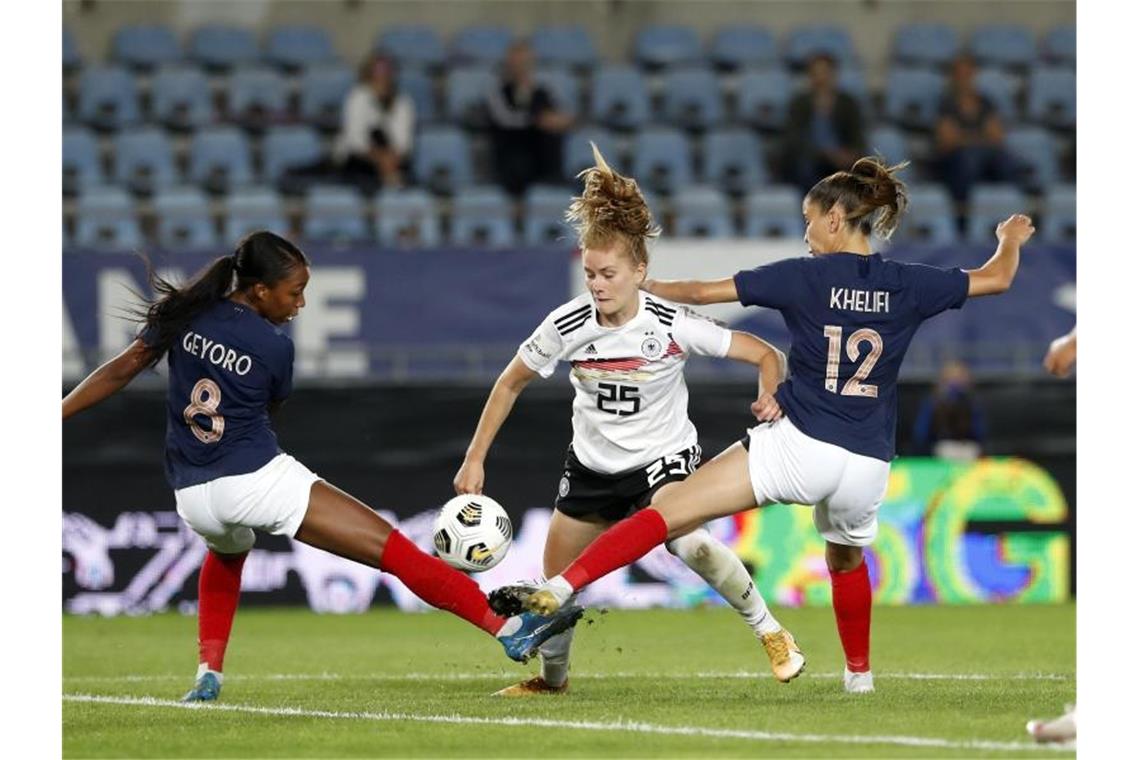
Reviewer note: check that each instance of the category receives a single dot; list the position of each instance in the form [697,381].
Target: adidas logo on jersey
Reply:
[590,349]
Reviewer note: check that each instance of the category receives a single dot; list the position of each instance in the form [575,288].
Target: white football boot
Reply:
[858,683]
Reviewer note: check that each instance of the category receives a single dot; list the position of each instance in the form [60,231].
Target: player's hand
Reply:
[1062,356]
[1017,229]
[469,479]
[767,409]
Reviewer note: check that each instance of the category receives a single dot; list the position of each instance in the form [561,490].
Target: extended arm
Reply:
[996,275]
[507,388]
[773,365]
[109,378]
[1062,354]
[696,292]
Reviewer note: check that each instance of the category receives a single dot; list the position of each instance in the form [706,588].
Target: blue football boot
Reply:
[523,642]
[206,689]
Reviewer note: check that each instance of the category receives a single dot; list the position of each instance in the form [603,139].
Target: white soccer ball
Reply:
[472,533]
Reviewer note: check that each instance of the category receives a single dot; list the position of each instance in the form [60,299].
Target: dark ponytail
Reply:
[871,193]
[260,257]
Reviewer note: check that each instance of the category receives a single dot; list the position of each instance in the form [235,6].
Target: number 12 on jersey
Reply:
[855,385]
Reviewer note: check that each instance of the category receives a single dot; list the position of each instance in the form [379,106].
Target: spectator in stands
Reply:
[824,131]
[377,124]
[525,123]
[969,139]
[950,423]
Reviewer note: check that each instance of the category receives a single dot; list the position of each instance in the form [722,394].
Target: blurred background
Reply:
[423,154]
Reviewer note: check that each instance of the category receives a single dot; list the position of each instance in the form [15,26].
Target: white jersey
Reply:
[631,405]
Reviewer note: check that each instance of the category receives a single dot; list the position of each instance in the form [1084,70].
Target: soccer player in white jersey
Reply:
[633,439]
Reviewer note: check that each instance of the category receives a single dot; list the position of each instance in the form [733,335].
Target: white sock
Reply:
[555,654]
[203,669]
[722,569]
[561,589]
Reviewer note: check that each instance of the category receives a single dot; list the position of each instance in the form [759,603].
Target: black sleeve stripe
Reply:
[660,307]
[664,318]
[570,327]
[572,316]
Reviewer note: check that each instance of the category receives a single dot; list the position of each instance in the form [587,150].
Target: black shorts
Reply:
[584,493]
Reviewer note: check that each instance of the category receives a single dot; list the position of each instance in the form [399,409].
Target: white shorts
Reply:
[226,511]
[846,489]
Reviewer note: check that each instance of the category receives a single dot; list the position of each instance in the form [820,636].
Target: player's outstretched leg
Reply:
[219,585]
[851,600]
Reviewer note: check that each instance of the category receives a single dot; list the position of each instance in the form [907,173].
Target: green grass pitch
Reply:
[951,682]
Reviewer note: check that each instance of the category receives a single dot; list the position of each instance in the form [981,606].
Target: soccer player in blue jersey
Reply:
[230,366]
[852,314]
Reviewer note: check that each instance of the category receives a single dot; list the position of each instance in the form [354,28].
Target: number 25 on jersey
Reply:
[855,385]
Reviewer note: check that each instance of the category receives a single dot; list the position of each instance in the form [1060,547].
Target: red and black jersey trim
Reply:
[571,321]
[664,314]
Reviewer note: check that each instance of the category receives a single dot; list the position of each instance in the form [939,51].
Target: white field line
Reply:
[615,726]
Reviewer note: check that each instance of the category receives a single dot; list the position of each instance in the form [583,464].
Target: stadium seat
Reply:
[407,218]
[180,98]
[323,90]
[1000,87]
[81,165]
[659,45]
[850,79]
[334,214]
[71,58]
[564,46]
[563,86]
[888,142]
[762,97]
[257,97]
[295,47]
[1052,99]
[702,211]
[441,159]
[105,219]
[285,148]
[733,160]
[929,217]
[543,222]
[251,209]
[220,159]
[144,160]
[481,44]
[577,154]
[927,44]
[145,46]
[421,90]
[989,205]
[692,98]
[465,94]
[912,97]
[619,97]
[775,211]
[742,46]
[1033,149]
[662,159]
[413,45]
[481,217]
[108,98]
[184,219]
[813,39]
[1060,211]
[220,47]
[1059,45]
[1008,45]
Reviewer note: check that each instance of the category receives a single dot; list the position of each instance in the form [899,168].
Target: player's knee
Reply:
[842,559]
[691,548]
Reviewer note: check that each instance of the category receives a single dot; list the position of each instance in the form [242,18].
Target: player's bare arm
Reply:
[772,363]
[507,388]
[109,378]
[1062,354]
[996,275]
[695,292]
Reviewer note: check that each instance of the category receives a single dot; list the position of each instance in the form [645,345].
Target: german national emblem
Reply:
[564,486]
[651,347]
[470,514]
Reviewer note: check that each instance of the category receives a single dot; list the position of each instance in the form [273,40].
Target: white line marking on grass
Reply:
[616,726]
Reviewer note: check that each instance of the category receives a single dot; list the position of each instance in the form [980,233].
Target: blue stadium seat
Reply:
[220,159]
[481,217]
[742,46]
[850,79]
[989,205]
[1052,99]
[108,98]
[660,45]
[543,210]
[81,165]
[924,44]
[1059,45]
[181,99]
[220,47]
[563,86]
[145,46]
[929,217]
[662,159]
[465,94]
[285,148]
[257,97]
[888,142]
[1000,87]
[441,159]
[912,97]
[105,219]
[295,47]
[702,211]
[334,214]
[144,160]
[251,209]
[619,97]
[1060,211]
[323,90]
[692,98]
[419,87]
[1036,155]
[733,160]
[1003,45]
[577,154]
[813,39]
[413,45]
[568,45]
[484,44]
[71,58]
[762,97]
[184,220]
[775,211]
[407,218]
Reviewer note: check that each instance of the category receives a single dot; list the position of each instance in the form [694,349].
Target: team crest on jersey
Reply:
[563,487]
[651,347]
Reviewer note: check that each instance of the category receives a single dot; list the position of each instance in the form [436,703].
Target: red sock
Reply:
[851,599]
[437,583]
[219,584]
[624,543]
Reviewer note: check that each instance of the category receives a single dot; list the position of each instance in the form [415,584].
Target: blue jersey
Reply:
[851,318]
[225,370]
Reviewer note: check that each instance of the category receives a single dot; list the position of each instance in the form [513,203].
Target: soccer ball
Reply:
[472,533]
